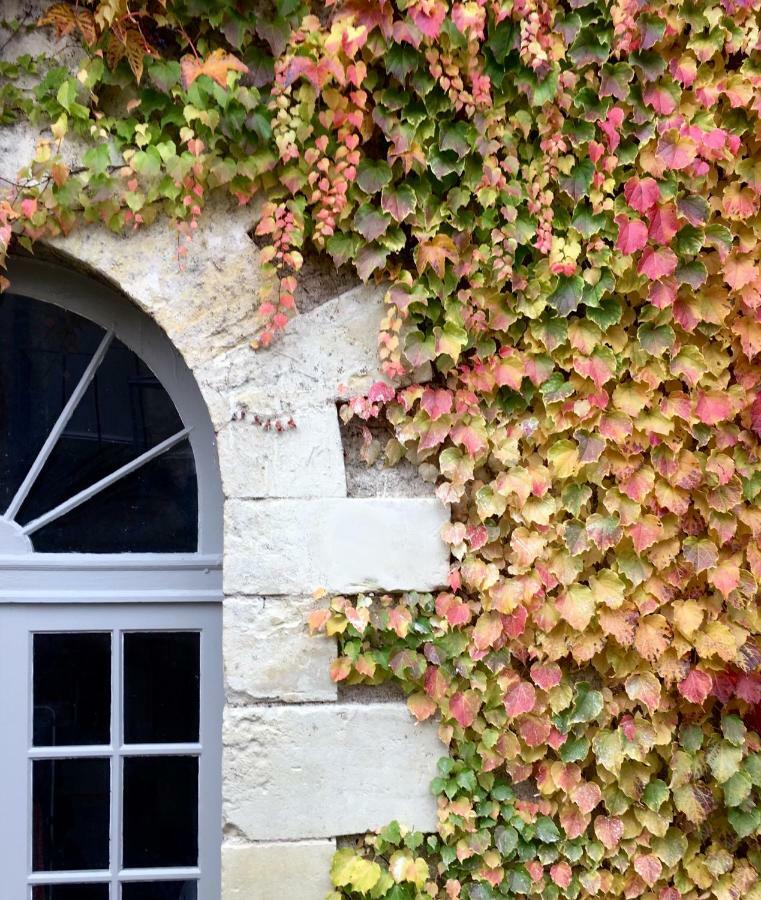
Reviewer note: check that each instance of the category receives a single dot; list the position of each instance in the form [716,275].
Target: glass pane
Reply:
[160,811]
[70,892]
[124,412]
[72,689]
[161,687]
[70,814]
[167,890]
[155,509]
[43,352]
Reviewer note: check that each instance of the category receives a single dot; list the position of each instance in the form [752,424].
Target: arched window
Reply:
[110,614]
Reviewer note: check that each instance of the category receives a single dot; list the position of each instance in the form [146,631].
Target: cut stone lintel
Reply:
[315,771]
[277,547]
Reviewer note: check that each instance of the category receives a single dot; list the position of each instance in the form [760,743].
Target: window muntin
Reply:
[108,468]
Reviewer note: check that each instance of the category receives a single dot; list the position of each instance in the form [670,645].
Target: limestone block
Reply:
[298,870]
[343,545]
[269,654]
[305,461]
[323,770]
[323,355]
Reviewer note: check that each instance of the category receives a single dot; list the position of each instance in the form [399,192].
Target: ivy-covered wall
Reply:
[562,200]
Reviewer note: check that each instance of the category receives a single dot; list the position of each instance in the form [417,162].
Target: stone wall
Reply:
[301,766]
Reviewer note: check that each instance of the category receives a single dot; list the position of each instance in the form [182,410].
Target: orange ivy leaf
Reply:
[216,66]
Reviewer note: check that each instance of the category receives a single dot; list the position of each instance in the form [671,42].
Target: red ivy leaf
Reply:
[658,263]
[632,234]
[696,686]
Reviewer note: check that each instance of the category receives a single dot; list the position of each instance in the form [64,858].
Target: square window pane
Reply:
[71,814]
[161,687]
[160,811]
[70,892]
[72,689]
[160,890]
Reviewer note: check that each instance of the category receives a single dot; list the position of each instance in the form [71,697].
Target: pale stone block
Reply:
[298,870]
[323,770]
[326,354]
[269,653]
[305,461]
[342,545]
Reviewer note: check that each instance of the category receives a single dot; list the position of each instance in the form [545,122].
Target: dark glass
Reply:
[70,814]
[43,352]
[124,412]
[158,890]
[160,811]
[153,510]
[72,689]
[161,687]
[70,892]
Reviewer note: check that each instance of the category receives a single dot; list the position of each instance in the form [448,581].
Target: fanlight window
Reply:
[94,457]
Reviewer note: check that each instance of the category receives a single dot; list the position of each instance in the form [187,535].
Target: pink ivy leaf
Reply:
[469,16]
[520,699]
[659,99]
[648,867]
[632,234]
[642,193]
[429,17]
[380,392]
[663,224]
[561,874]
[534,730]
[609,831]
[547,676]
[696,686]
[755,414]
[464,707]
[467,436]
[658,263]
[713,407]
[587,796]
[436,403]
[676,151]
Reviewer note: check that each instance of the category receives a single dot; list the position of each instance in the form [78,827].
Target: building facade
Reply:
[179,484]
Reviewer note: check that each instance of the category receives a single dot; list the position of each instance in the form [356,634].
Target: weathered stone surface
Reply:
[324,770]
[269,654]
[297,870]
[380,480]
[346,545]
[305,461]
[323,355]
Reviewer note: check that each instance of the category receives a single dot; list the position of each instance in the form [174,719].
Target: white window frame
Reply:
[18,624]
[92,591]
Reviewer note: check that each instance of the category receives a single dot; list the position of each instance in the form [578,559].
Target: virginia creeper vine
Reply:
[563,198]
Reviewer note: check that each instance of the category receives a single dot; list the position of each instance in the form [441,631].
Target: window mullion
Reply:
[57,430]
[116,762]
[89,492]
